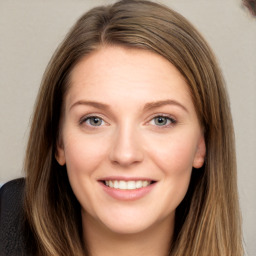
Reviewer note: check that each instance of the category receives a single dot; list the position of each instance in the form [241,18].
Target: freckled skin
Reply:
[128,142]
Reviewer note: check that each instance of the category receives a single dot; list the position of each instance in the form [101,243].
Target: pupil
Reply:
[161,120]
[95,121]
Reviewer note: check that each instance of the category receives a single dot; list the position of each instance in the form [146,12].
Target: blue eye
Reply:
[162,121]
[94,121]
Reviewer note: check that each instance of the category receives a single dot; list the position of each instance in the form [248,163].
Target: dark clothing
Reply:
[11,218]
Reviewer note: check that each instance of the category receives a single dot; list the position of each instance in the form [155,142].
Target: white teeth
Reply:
[127,185]
[138,184]
[122,184]
[115,185]
[131,185]
[144,183]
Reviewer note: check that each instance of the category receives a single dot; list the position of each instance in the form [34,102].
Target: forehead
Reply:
[122,73]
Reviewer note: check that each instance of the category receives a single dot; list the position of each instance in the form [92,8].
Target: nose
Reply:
[127,148]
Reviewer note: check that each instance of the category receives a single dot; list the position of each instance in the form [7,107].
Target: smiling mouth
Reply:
[127,185]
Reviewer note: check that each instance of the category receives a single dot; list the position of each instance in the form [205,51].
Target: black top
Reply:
[11,218]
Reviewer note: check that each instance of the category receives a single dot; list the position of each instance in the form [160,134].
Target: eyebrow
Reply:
[148,106]
[90,103]
[161,103]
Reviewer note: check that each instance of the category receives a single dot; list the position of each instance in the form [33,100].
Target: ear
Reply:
[60,153]
[200,153]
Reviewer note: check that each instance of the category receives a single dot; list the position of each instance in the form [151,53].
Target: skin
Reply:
[129,142]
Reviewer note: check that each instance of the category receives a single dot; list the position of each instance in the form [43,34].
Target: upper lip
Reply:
[125,178]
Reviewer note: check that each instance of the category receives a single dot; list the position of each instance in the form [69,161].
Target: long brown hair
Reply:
[208,219]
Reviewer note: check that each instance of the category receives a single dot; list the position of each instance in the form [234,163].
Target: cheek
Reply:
[83,155]
[174,155]
[175,160]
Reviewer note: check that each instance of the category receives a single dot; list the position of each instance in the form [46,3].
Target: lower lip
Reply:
[127,195]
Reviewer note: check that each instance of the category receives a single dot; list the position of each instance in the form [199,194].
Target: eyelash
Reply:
[88,118]
[171,120]
[167,118]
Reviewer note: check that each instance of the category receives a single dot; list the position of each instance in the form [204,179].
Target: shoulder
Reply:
[11,198]
[11,217]
[10,187]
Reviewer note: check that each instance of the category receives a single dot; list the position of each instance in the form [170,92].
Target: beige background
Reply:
[30,30]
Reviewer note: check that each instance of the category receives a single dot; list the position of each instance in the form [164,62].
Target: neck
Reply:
[101,241]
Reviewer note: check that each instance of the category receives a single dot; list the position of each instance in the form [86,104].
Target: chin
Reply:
[127,229]
[135,223]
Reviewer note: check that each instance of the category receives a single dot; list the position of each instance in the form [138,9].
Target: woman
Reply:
[131,149]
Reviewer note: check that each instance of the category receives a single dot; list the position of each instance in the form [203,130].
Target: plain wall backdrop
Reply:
[31,30]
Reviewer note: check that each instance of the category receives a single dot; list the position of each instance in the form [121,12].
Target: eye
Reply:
[162,121]
[93,121]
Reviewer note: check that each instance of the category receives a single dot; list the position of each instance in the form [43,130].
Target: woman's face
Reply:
[129,138]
